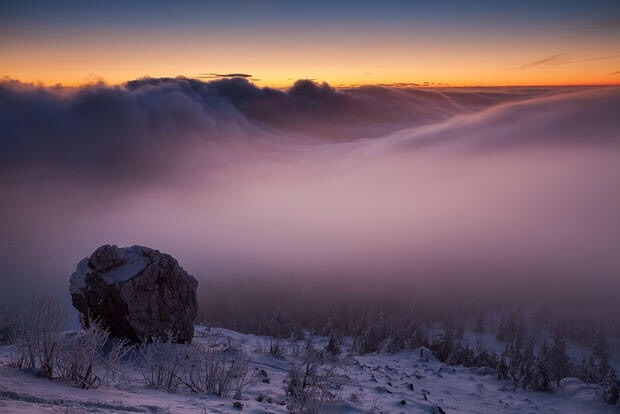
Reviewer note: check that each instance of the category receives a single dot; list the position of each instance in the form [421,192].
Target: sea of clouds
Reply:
[442,190]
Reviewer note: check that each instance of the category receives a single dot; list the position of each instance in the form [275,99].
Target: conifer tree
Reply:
[610,391]
[527,365]
[558,360]
[541,375]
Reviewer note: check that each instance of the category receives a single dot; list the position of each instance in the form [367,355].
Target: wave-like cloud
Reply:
[461,189]
[105,128]
[585,118]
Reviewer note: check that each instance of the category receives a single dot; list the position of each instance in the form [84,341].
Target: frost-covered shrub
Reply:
[163,363]
[222,374]
[197,367]
[333,347]
[371,333]
[81,357]
[8,325]
[310,382]
[275,347]
[461,355]
[114,369]
[379,331]
[368,339]
[38,335]
[483,358]
[294,346]
[444,346]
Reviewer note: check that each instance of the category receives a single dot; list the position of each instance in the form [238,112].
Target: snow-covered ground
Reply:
[404,382]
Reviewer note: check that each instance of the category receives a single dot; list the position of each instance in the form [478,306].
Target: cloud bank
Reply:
[458,191]
[105,127]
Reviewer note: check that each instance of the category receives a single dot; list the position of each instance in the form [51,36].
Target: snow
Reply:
[133,263]
[410,381]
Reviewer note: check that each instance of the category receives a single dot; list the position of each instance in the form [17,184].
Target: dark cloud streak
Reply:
[556,60]
[225,75]
[100,129]
[545,61]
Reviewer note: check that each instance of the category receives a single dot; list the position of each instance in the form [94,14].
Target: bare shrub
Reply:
[81,357]
[8,325]
[310,382]
[294,346]
[223,375]
[275,347]
[333,347]
[163,363]
[38,335]
[114,369]
[260,346]
[212,367]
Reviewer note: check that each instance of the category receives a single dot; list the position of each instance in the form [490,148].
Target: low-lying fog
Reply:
[461,191]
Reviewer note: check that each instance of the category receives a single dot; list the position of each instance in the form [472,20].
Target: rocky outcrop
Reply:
[136,292]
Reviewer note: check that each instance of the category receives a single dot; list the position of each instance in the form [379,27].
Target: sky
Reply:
[344,43]
[295,142]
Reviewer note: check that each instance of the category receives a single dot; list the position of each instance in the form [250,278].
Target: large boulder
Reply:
[136,292]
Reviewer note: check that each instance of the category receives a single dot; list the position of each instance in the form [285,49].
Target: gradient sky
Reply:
[341,42]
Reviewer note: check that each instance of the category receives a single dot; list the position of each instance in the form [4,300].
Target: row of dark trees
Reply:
[535,355]
[529,365]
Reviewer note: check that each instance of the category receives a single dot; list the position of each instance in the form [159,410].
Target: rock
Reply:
[105,257]
[136,292]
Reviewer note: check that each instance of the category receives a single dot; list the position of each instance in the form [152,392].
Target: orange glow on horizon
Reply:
[340,81]
[340,84]
[340,59]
